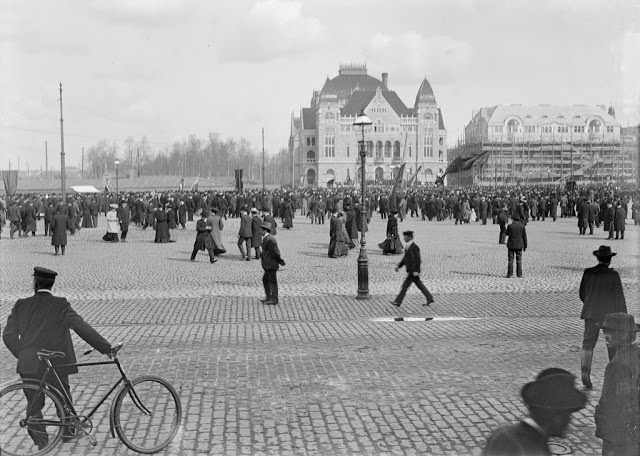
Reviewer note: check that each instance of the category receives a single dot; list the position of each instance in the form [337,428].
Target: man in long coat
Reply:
[271,262]
[214,221]
[620,220]
[601,293]
[29,219]
[15,219]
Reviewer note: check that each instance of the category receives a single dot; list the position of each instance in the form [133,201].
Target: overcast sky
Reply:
[170,68]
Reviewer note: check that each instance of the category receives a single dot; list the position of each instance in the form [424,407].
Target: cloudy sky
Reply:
[170,68]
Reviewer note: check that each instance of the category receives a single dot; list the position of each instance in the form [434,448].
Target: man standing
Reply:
[271,262]
[245,233]
[601,292]
[256,230]
[502,219]
[411,261]
[551,399]
[619,220]
[15,219]
[516,244]
[123,218]
[617,415]
[43,322]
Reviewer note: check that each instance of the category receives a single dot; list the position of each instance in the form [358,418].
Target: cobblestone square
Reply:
[324,373]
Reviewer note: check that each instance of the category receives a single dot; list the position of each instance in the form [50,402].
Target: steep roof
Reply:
[344,84]
[361,98]
[425,91]
[309,118]
[440,120]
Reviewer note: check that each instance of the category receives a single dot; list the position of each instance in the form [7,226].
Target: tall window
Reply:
[313,141]
[308,141]
[379,149]
[409,151]
[330,144]
[387,149]
[370,149]
[428,144]
[378,126]
[347,151]
[396,149]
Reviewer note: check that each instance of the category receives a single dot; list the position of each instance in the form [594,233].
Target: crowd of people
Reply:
[551,397]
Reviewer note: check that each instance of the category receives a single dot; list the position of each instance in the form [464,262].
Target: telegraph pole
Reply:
[83,163]
[46,160]
[62,167]
[263,159]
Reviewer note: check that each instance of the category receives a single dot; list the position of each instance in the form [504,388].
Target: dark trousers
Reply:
[246,241]
[35,404]
[590,337]
[123,234]
[591,226]
[503,233]
[270,283]
[15,226]
[212,256]
[46,227]
[518,255]
[405,286]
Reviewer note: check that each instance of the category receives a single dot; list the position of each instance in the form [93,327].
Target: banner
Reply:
[10,179]
[393,203]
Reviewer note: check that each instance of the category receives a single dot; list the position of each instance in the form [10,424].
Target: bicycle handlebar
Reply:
[114,350]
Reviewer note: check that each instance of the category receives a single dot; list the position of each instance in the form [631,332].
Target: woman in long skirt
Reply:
[392,245]
[113,227]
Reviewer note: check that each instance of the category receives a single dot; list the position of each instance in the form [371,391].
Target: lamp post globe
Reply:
[117,165]
[361,123]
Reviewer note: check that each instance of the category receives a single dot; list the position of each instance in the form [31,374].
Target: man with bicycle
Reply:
[43,321]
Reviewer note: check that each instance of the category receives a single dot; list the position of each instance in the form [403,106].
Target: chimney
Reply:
[385,80]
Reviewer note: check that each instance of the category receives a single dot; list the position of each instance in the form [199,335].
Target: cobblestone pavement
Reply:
[324,373]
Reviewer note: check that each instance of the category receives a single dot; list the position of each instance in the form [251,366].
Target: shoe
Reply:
[395,303]
[509,276]
[587,385]
[264,300]
[429,302]
[271,302]
[248,259]
[213,261]
[520,276]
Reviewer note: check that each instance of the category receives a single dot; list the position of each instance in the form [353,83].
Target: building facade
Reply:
[324,144]
[542,144]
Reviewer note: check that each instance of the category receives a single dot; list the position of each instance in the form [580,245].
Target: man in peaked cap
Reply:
[43,321]
[551,399]
[601,293]
[617,415]
[411,261]
[271,262]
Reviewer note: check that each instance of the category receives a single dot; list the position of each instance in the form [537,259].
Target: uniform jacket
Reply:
[517,236]
[270,258]
[516,440]
[601,292]
[411,259]
[43,321]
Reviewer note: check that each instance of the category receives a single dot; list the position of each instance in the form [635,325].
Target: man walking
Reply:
[15,219]
[43,321]
[245,233]
[516,244]
[617,414]
[411,261]
[601,293]
[271,262]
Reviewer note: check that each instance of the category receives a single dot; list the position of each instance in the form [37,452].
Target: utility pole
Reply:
[263,159]
[46,160]
[62,167]
[83,163]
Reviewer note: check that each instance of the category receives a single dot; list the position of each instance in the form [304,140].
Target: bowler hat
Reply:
[266,226]
[407,233]
[619,321]
[554,389]
[44,273]
[604,251]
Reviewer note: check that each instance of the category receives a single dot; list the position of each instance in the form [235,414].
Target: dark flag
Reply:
[330,182]
[10,179]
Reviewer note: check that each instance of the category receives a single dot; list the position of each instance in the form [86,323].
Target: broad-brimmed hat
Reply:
[266,226]
[604,251]
[619,321]
[554,389]
[44,273]
[407,233]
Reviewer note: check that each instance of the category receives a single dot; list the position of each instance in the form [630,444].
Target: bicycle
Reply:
[145,414]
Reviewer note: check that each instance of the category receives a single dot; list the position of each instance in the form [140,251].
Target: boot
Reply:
[586,357]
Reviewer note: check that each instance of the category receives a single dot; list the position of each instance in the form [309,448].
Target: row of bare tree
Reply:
[193,157]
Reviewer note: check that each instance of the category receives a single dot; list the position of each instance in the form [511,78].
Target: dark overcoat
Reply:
[59,226]
[411,259]
[601,293]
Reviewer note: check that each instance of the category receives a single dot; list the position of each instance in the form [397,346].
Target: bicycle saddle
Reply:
[42,354]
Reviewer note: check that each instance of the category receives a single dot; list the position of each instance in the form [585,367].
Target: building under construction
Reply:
[544,145]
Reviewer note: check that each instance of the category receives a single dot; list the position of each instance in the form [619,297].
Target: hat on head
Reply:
[44,273]
[554,389]
[407,233]
[604,251]
[619,321]
[266,226]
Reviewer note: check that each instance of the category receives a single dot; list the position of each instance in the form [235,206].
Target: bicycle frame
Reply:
[67,399]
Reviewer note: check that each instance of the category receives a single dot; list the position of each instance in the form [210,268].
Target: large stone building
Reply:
[542,144]
[323,140]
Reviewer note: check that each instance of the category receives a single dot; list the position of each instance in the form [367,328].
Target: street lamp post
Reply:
[117,163]
[362,121]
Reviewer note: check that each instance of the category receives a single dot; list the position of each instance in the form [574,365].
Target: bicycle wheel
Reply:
[24,430]
[142,432]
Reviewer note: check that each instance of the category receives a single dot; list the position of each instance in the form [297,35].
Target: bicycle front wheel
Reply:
[29,427]
[147,414]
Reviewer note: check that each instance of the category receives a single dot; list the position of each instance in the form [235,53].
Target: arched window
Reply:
[441,141]
[311,156]
[396,149]
[330,172]
[440,156]
[329,116]
[513,126]
[379,174]
[594,126]
[387,149]
[379,149]
[428,172]
[369,149]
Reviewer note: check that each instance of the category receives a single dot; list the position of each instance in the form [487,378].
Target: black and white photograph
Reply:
[320,227]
